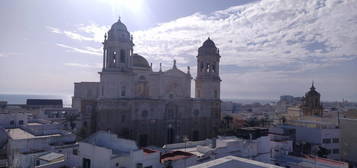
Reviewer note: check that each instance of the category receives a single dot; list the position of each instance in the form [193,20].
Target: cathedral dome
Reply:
[209,44]
[119,32]
[119,26]
[140,61]
[208,48]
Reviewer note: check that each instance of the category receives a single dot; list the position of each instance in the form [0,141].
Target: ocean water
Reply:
[21,98]
[67,99]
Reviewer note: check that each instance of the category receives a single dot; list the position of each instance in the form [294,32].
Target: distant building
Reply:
[153,108]
[42,103]
[311,103]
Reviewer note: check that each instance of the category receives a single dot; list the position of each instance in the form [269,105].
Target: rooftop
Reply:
[18,133]
[51,157]
[175,155]
[233,161]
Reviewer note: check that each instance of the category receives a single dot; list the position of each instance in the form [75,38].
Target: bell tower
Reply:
[117,48]
[208,80]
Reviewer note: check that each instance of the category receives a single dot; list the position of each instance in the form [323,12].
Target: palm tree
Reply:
[71,118]
[227,120]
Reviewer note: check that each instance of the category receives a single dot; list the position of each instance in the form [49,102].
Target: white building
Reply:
[13,119]
[106,150]
[322,134]
[26,143]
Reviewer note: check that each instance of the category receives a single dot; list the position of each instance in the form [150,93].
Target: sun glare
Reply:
[127,5]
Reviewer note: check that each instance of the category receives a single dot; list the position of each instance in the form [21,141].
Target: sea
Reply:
[21,98]
[67,99]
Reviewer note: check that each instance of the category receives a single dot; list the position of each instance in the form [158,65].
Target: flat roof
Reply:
[233,161]
[51,156]
[18,133]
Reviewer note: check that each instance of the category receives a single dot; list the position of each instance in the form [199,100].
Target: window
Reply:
[335,140]
[37,162]
[326,140]
[336,151]
[201,66]
[123,91]
[117,164]
[196,113]
[122,56]
[195,135]
[86,163]
[215,94]
[21,122]
[114,57]
[12,122]
[123,118]
[213,68]
[144,114]
[75,151]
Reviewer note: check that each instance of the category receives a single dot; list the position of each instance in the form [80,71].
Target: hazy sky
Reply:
[268,48]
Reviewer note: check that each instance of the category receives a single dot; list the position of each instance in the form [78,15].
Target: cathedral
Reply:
[311,103]
[151,107]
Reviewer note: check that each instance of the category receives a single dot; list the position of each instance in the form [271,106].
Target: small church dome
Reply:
[140,61]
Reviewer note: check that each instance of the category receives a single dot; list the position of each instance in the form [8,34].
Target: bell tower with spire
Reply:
[117,48]
[311,103]
[208,80]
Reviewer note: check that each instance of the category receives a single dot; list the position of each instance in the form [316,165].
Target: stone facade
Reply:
[153,108]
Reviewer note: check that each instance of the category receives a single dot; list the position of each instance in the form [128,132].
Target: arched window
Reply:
[201,67]
[213,68]
[171,111]
[114,57]
[207,67]
[122,56]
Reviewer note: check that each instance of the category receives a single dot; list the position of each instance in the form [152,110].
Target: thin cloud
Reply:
[79,50]
[7,54]
[91,33]
[79,65]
